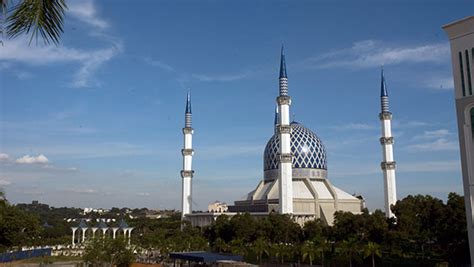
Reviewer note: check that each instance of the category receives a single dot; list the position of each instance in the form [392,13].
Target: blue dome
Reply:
[307,149]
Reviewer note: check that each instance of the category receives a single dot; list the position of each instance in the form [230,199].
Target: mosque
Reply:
[295,171]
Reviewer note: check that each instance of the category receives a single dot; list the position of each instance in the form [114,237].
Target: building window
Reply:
[472,122]
[463,86]
[468,68]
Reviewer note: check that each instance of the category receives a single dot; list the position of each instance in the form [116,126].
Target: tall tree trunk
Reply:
[373,260]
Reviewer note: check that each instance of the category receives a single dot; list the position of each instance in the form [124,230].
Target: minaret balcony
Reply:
[284,100]
[187,152]
[187,174]
[284,129]
[188,130]
[385,116]
[388,165]
[386,140]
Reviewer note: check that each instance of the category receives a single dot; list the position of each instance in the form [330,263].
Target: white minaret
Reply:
[388,164]
[188,152]
[285,175]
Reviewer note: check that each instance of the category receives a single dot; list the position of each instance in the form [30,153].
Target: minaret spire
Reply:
[383,93]
[282,63]
[285,175]
[188,152]
[188,114]
[388,164]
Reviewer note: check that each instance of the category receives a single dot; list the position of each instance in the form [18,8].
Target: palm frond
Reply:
[39,18]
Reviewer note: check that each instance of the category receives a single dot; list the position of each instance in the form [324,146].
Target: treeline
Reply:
[426,231]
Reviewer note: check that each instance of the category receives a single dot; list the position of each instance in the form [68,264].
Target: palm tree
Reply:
[349,247]
[280,251]
[260,246]
[220,245]
[322,246]
[372,249]
[237,246]
[40,18]
[309,250]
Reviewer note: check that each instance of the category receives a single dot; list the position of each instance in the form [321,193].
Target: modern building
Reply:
[295,174]
[461,36]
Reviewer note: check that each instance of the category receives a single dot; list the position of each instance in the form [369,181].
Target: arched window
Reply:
[472,123]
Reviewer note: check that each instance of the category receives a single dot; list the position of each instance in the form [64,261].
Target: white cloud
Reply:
[440,144]
[158,64]
[221,78]
[27,159]
[437,133]
[4,183]
[4,157]
[373,53]
[85,11]
[439,83]
[84,191]
[359,126]
[402,124]
[89,66]
[143,194]
[17,50]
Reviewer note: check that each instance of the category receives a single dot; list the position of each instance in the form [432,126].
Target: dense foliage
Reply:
[17,227]
[426,231]
[108,252]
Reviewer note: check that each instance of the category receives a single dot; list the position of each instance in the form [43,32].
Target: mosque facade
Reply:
[295,171]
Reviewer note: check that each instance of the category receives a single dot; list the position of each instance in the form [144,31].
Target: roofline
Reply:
[456,22]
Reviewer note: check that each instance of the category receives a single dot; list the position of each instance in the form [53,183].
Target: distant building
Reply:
[461,37]
[217,206]
[86,231]
[89,210]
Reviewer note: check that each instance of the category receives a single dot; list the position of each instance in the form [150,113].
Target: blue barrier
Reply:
[25,254]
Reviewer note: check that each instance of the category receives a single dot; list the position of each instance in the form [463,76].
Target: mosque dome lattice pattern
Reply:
[307,149]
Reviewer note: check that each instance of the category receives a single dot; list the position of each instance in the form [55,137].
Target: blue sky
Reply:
[96,121]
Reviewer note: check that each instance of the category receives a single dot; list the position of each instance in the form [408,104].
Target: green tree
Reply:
[237,246]
[314,229]
[220,245]
[419,224]
[349,248]
[453,235]
[38,18]
[372,249]
[261,248]
[280,251]
[17,227]
[322,247]
[309,251]
[100,251]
